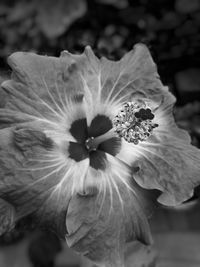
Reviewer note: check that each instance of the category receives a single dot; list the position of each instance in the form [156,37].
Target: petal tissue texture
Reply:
[89,146]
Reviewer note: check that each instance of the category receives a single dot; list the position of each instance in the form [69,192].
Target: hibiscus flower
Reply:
[83,141]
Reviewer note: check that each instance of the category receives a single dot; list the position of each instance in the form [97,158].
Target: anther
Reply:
[134,122]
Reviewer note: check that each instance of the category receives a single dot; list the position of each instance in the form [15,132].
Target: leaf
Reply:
[54,18]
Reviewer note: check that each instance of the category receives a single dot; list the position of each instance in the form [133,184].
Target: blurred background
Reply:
[171,30]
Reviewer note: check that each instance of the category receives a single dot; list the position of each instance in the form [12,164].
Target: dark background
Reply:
[171,30]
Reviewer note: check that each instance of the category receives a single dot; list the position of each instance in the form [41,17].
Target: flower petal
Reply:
[41,86]
[42,91]
[7,216]
[100,222]
[108,83]
[41,102]
[49,82]
[105,207]
[35,177]
[166,161]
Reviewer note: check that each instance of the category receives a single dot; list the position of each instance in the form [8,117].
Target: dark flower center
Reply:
[90,142]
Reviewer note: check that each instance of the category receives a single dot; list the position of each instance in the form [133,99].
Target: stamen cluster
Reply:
[134,122]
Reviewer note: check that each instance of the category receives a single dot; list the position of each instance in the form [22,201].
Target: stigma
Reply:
[93,143]
[134,122]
